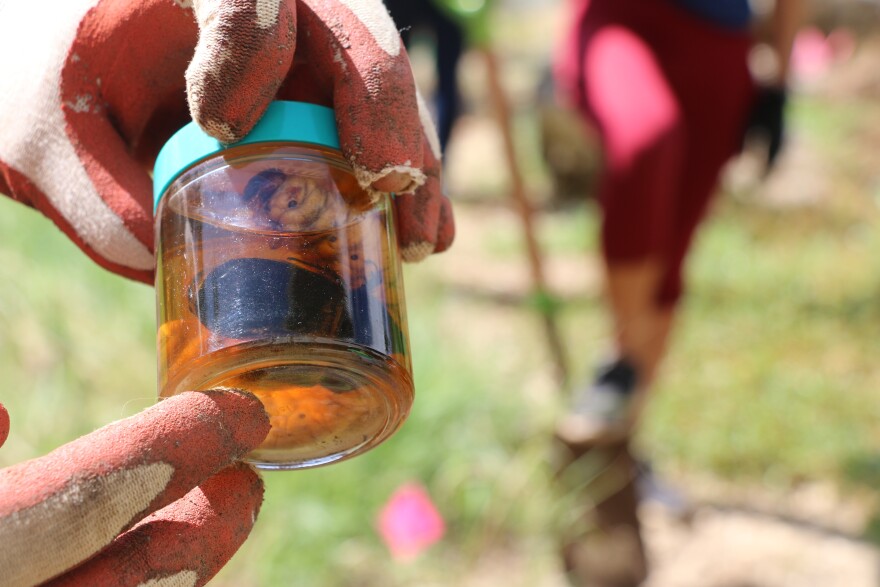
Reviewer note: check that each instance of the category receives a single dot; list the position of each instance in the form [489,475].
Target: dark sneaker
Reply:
[603,412]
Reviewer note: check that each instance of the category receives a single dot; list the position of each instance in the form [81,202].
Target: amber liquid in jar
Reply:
[279,275]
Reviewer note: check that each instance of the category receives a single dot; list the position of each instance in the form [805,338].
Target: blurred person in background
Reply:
[439,19]
[667,86]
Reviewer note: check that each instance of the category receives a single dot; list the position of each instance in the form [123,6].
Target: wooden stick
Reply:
[523,206]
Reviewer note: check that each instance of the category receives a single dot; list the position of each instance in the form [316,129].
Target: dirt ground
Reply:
[804,539]
[727,546]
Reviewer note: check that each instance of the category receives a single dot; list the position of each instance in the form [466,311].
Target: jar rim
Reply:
[298,122]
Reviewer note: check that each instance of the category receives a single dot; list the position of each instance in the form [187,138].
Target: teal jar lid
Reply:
[298,122]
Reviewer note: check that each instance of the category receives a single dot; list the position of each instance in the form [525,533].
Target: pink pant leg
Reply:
[668,93]
[638,116]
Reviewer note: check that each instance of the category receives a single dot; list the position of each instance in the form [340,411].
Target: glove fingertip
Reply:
[244,409]
[243,54]
[394,179]
[227,118]
[446,227]
[416,252]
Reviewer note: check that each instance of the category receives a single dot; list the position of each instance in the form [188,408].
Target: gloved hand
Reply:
[766,121]
[90,89]
[152,499]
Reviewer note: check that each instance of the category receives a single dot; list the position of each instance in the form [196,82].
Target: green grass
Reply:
[772,378]
[77,344]
[77,351]
[773,374]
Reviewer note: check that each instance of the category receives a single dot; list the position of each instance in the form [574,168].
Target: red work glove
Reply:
[151,499]
[90,89]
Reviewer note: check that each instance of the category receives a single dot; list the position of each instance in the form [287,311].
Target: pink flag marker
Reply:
[410,523]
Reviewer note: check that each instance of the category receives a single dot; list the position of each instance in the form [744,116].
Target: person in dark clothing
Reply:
[425,15]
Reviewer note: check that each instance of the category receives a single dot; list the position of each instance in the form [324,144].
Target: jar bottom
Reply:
[327,401]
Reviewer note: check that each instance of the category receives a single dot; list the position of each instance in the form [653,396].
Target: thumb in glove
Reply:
[156,495]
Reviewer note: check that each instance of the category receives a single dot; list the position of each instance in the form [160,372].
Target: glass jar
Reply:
[276,273]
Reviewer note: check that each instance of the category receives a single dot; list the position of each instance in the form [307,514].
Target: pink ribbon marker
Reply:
[410,523]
